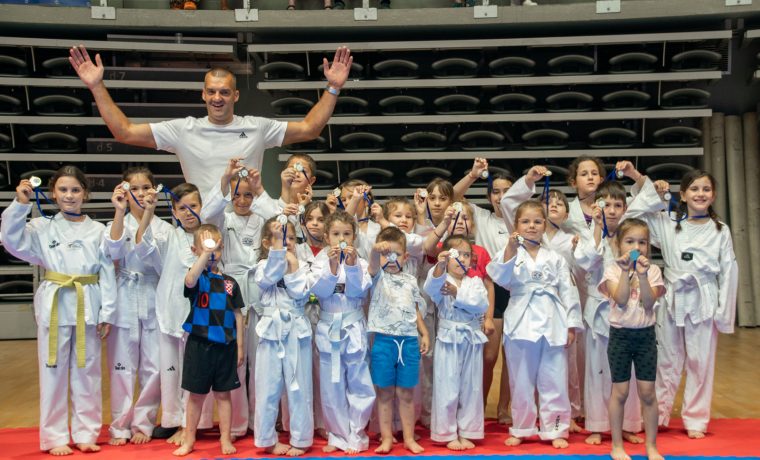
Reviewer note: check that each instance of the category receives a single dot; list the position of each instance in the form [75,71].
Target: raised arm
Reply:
[315,121]
[91,74]
[464,184]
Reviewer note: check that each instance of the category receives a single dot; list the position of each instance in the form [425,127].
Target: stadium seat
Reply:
[10,105]
[356,72]
[685,98]
[420,177]
[455,68]
[612,138]
[59,67]
[626,99]
[456,104]
[636,62]
[362,141]
[58,105]
[395,69]
[349,106]
[53,142]
[13,67]
[513,103]
[569,101]
[571,64]
[282,71]
[402,105]
[423,141]
[545,139]
[378,177]
[6,143]
[482,140]
[291,107]
[696,60]
[512,66]
[318,145]
[677,136]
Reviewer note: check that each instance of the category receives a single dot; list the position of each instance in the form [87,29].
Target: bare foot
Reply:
[455,445]
[505,420]
[632,437]
[227,447]
[88,447]
[618,453]
[61,450]
[117,441]
[512,441]
[466,443]
[653,453]
[413,447]
[693,434]
[183,450]
[574,427]
[295,452]
[385,446]
[278,449]
[321,432]
[176,438]
[560,443]
[594,439]
[328,448]
[140,438]
[351,451]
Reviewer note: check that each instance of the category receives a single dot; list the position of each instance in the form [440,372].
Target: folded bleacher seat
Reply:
[677,136]
[402,105]
[612,138]
[512,66]
[10,105]
[569,101]
[283,71]
[482,140]
[16,290]
[455,68]
[291,106]
[513,103]
[395,69]
[6,144]
[627,99]
[420,177]
[12,66]
[571,64]
[58,105]
[636,62]
[44,174]
[378,177]
[53,142]
[325,180]
[456,104]
[317,145]
[59,67]
[695,60]
[423,141]
[362,141]
[545,139]
[671,172]
[350,106]
[685,98]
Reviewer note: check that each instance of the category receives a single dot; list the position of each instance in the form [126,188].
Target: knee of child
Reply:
[405,395]
[222,395]
[619,392]
[385,394]
[647,395]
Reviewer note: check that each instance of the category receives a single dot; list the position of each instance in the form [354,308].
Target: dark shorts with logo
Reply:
[637,346]
[209,365]
[501,300]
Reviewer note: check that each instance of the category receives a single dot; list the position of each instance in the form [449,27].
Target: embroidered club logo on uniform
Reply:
[247,241]
[687,256]
[228,287]
[53,244]
[243,136]
[538,276]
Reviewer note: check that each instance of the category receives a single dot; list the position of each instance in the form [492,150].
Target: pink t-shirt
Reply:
[633,315]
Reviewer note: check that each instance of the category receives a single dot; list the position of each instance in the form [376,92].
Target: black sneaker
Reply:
[160,432]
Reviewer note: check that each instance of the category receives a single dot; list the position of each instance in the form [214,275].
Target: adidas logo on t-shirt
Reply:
[243,136]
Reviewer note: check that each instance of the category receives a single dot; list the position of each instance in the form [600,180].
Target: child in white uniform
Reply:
[701,278]
[340,282]
[457,414]
[133,341]
[283,356]
[73,307]
[539,324]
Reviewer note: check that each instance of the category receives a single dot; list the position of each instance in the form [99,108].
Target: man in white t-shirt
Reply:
[204,145]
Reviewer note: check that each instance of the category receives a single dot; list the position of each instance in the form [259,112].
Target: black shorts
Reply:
[637,346]
[501,301]
[209,365]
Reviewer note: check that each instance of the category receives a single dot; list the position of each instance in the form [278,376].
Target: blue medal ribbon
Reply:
[37,193]
[167,193]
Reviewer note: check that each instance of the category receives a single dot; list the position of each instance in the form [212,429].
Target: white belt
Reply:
[338,320]
[470,328]
[134,280]
[283,322]
[681,280]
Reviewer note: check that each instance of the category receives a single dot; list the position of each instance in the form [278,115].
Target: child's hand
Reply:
[662,187]
[570,337]
[488,327]
[254,178]
[207,236]
[103,330]
[290,209]
[443,258]
[150,199]
[305,197]
[449,289]
[629,170]
[576,240]
[478,166]
[350,255]
[240,354]
[514,241]
[119,198]
[234,166]
[24,191]
[292,261]
[332,202]
[420,200]
[535,174]
[424,343]
[449,215]
[376,212]
[624,262]
[333,255]
[276,235]
[596,213]
[287,175]
[642,265]
[382,248]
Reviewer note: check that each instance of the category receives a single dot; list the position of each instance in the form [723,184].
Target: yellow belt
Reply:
[68,281]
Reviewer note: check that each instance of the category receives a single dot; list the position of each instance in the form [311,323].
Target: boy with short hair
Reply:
[400,336]
[214,346]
